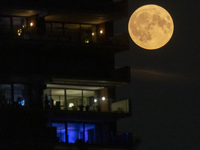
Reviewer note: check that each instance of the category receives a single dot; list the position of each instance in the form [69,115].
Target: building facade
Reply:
[57,59]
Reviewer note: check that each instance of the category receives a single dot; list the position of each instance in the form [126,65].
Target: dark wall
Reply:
[25,129]
[89,5]
[55,59]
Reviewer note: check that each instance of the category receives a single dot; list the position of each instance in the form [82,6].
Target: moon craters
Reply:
[151,27]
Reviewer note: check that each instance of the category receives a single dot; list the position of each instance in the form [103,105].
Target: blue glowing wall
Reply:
[60,129]
[75,131]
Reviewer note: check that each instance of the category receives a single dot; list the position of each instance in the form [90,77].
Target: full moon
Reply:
[150,27]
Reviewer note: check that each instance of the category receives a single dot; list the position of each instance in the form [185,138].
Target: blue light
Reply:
[22,102]
[75,131]
[60,129]
[72,136]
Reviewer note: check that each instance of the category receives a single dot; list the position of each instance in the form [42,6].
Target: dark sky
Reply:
[165,86]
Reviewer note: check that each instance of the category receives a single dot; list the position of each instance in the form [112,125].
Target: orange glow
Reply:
[19,32]
[87,41]
[101,31]
[31,24]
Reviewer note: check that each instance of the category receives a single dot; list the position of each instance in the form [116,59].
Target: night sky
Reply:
[165,85]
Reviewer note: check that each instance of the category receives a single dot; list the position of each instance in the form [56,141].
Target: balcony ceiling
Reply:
[94,84]
[19,12]
[79,18]
[69,17]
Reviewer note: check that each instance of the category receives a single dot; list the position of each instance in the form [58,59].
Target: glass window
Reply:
[75,132]
[78,131]
[72,26]
[4,25]
[90,133]
[5,22]
[74,99]
[86,33]
[21,95]
[71,99]
[48,28]
[47,98]
[18,23]
[57,29]
[58,98]
[5,94]
[88,100]
[71,31]
[60,130]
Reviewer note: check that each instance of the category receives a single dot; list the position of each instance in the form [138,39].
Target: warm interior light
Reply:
[101,31]
[31,24]
[103,98]
[71,105]
[19,32]
[92,33]
[87,41]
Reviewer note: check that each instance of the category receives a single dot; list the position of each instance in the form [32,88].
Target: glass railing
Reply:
[120,140]
[120,106]
[68,36]
[60,102]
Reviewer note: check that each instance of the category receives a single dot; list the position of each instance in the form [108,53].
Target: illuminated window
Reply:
[77,131]
[58,98]
[21,94]
[60,130]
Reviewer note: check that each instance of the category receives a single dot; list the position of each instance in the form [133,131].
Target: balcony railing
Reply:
[59,103]
[120,106]
[64,35]
[121,140]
